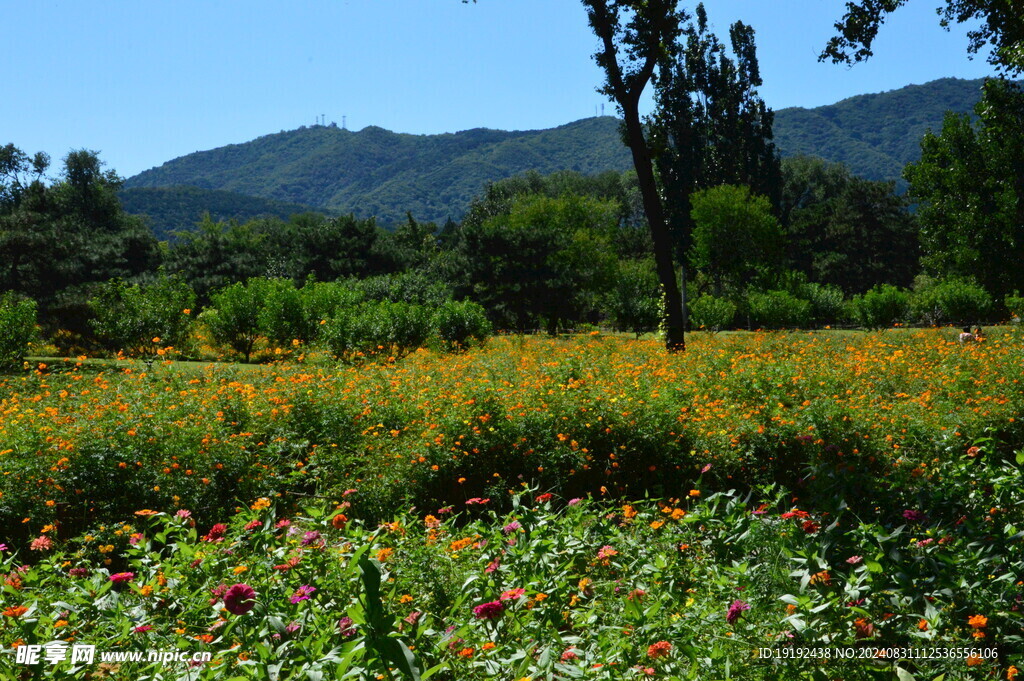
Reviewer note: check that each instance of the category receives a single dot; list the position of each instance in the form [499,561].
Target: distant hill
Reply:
[876,135]
[378,172]
[171,209]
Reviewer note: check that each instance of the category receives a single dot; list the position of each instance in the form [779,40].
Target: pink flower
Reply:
[78,572]
[142,629]
[312,537]
[183,514]
[302,593]
[493,565]
[41,543]
[122,577]
[512,594]
[606,552]
[283,523]
[705,469]
[735,610]
[476,501]
[573,502]
[239,599]
[489,611]
[3,547]
[413,617]
[511,527]
[855,560]
[346,627]
[252,525]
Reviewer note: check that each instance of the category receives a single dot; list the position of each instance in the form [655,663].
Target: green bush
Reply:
[953,301]
[1014,305]
[777,310]
[407,287]
[881,307]
[634,302]
[17,329]
[233,317]
[458,325]
[827,305]
[321,302]
[282,316]
[712,314]
[391,329]
[140,319]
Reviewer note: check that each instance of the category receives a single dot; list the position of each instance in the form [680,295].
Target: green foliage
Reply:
[970,184]
[995,25]
[178,209]
[57,238]
[548,260]
[882,307]
[131,317]
[777,310]
[734,235]
[951,301]
[710,127]
[827,304]
[391,329]
[712,314]
[234,318]
[634,302]
[1014,305]
[17,329]
[846,231]
[459,325]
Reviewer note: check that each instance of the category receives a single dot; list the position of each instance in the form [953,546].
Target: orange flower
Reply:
[659,649]
[974,660]
[466,653]
[339,521]
[15,611]
[978,621]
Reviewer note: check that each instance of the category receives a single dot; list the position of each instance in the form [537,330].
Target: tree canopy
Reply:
[1001,27]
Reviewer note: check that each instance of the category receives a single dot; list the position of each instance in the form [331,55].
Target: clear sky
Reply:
[146,81]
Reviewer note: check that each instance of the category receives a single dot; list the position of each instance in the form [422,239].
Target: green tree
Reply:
[634,301]
[548,260]
[844,230]
[639,41]
[710,127]
[734,235]
[130,317]
[970,185]
[1001,25]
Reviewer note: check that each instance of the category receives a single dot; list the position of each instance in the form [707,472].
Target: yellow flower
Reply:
[694,492]
[240,569]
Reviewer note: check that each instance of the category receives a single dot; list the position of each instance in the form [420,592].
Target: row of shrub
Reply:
[931,303]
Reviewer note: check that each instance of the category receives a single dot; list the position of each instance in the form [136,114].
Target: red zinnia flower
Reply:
[489,611]
[239,599]
[122,577]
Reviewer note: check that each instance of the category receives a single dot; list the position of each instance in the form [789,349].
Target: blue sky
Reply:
[146,81]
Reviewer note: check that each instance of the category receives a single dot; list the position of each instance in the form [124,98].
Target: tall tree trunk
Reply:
[675,338]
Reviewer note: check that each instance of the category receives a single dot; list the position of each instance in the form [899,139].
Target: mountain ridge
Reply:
[377,172]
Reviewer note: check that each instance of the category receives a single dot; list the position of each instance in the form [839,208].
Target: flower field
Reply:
[586,508]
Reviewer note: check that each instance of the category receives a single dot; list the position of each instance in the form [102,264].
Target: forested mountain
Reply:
[170,209]
[875,135]
[378,172]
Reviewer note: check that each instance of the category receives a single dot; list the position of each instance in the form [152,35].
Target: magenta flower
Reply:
[293,627]
[511,527]
[239,599]
[122,577]
[78,572]
[489,611]
[3,547]
[346,627]
[142,629]
[302,594]
[912,516]
[735,610]
[312,537]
